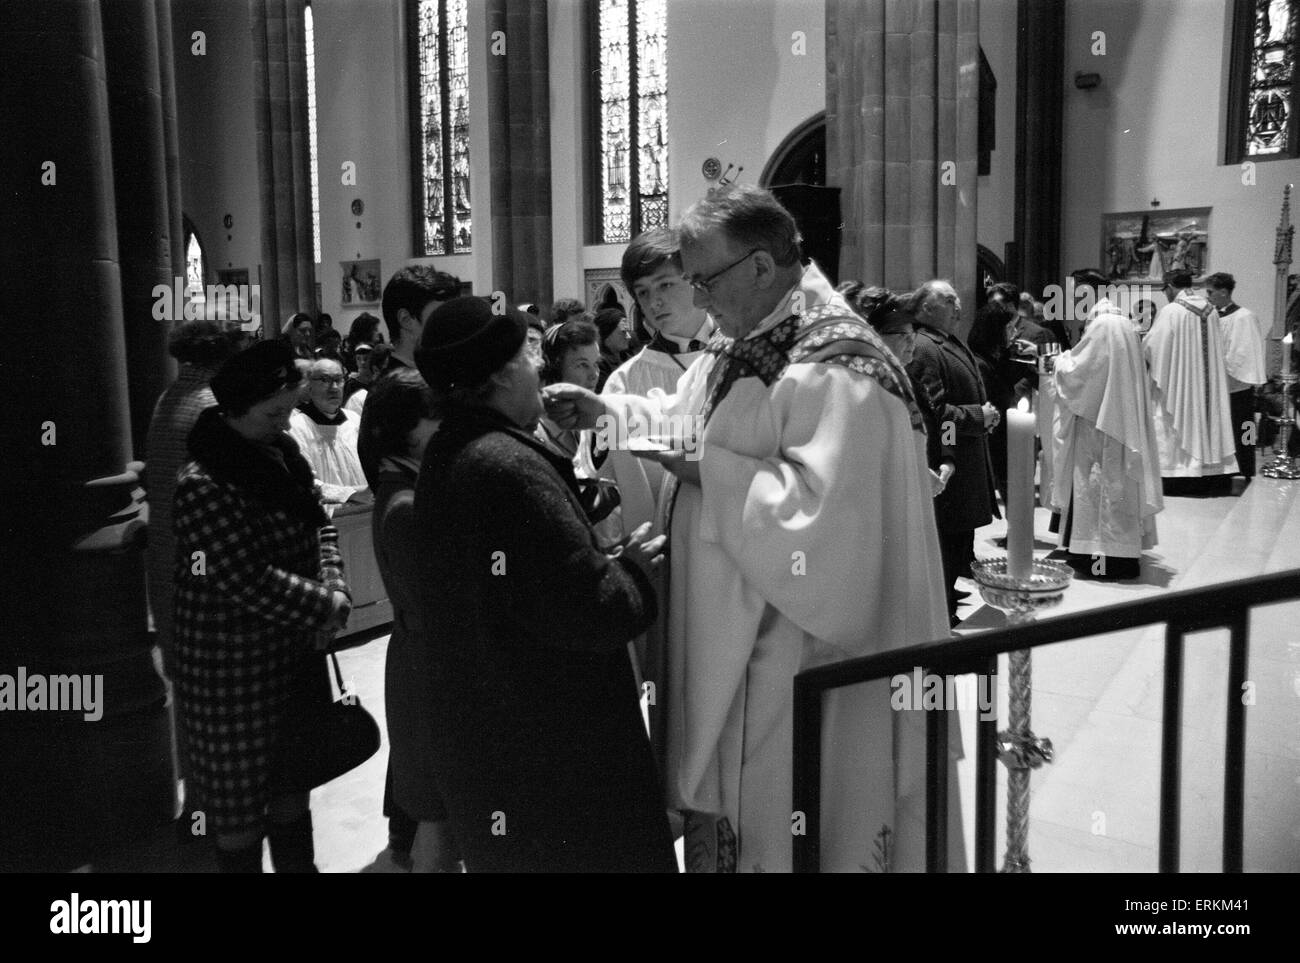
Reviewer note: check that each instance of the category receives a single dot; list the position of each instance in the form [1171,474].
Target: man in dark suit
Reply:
[944,368]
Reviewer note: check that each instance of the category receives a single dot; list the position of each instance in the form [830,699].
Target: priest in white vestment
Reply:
[1107,482]
[1189,394]
[1243,354]
[327,434]
[802,533]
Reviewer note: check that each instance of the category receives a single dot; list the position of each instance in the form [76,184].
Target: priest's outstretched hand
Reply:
[570,406]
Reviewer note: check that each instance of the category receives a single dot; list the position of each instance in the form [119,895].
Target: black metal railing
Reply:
[1226,605]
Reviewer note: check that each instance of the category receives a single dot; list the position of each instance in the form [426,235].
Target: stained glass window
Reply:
[441,65]
[310,31]
[631,108]
[1263,123]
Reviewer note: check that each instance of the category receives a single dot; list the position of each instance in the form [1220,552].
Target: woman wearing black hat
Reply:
[258,580]
[539,746]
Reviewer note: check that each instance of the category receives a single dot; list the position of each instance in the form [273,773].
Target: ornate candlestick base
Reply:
[1018,748]
[1283,465]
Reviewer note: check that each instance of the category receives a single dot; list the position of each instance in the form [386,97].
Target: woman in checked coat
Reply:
[258,581]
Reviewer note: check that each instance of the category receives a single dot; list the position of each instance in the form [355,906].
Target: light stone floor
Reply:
[1096,807]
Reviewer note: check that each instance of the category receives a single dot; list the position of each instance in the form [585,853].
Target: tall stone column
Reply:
[144,217]
[902,111]
[283,160]
[73,513]
[519,139]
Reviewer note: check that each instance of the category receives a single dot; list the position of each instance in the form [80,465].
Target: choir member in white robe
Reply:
[327,434]
[802,533]
[1108,477]
[652,271]
[1184,351]
[1243,354]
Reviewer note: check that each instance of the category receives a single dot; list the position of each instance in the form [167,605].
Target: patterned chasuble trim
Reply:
[821,335]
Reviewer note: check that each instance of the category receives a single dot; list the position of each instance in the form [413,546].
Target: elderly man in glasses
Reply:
[327,434]
[801,534]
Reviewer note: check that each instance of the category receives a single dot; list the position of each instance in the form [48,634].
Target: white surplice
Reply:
[1243,349]
[331,450]
[1107,455]
[1189,393]
[811,540]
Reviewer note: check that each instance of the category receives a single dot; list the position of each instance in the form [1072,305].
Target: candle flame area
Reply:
[1023,406]
[1287,339]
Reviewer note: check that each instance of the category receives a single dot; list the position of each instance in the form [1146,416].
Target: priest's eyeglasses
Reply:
[705,285]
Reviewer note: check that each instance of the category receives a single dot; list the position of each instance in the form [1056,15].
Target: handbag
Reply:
[321,738]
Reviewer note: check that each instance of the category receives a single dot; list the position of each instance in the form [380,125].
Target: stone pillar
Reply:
[144,216]
[519,141]
[74,514]
[1040,52]
[283,160]
[902,112]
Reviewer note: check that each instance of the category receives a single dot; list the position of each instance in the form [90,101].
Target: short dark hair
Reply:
[648,252]
[412,288]
[395,404]
[1007,291]
[363,329]
[1221,281]
[749,217]
[203,342]
[565,308]
[607,321]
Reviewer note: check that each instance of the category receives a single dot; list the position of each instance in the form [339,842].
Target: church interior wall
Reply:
[1155,129]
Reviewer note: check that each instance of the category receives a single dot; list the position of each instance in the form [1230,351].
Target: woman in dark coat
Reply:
[539,746]
[988,342]
[258,580]
[400,416]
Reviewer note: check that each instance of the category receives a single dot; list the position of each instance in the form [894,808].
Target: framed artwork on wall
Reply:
[1143,245]
[362,283]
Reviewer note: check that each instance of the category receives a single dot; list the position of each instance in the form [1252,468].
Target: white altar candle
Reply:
[1286,354]
[1020,491]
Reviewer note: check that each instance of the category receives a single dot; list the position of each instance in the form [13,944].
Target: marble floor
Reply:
[1095,808]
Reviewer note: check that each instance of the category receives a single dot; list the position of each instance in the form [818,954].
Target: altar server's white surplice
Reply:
[1243,349]
[811,540]
[1189,392]
[1106,443]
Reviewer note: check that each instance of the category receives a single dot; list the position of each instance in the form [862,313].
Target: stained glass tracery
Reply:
[443,60]
[1271,90]
[632,38]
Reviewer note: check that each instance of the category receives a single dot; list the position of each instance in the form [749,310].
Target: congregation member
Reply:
[802,534]
[248,621]
[365,329]
[372,362]
[328,345]
[570,354]
[949,376]
[400,418]
[1191,412]
[1108,480]
[326,433]
[538,745]
[299,332]
[410,296]
[615,340]
[1243,356]
[200,347]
